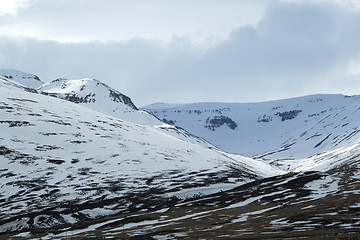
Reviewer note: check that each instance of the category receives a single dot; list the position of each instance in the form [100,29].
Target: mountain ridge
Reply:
[290,128]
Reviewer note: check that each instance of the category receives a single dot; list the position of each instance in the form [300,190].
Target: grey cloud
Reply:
[142,69]
[78,20]
[292,38]
[297,49]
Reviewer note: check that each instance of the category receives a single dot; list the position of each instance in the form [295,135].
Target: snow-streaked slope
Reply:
[325,196]
[308,205]
[6,83]
[25,79]
[102,98]
[290,128]
[62,163]
[323,162]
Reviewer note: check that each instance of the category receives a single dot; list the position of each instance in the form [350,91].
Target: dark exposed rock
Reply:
[56,161]
[118,97]
[218,121]
[171,122]
[17,123]
[317,145]
[265,118]
[93,238]
[76,99]
[4,150]
[288,115]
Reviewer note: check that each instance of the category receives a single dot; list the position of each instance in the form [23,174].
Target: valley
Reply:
[79,159]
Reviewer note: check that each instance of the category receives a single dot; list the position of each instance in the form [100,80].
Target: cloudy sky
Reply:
[188,50]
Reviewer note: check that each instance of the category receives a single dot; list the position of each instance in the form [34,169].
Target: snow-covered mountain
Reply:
[91,92]
[75,170]
[291,128]
[25,79]
[63,163]
[102,98]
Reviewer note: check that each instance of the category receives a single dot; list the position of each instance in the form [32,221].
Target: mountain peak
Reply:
[86,91]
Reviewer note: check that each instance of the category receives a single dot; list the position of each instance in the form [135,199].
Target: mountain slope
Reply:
[291,128]
[308,205]
[62,163]
[102,98]
[70,172]
[25,79]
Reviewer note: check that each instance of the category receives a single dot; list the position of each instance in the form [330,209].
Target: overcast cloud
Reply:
[186,51]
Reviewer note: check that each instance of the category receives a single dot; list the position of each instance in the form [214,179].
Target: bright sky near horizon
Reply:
[188,51]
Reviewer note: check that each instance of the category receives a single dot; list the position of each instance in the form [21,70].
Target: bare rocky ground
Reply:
[309,205]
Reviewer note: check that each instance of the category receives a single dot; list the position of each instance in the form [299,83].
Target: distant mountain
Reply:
[283,129]
[25,79]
